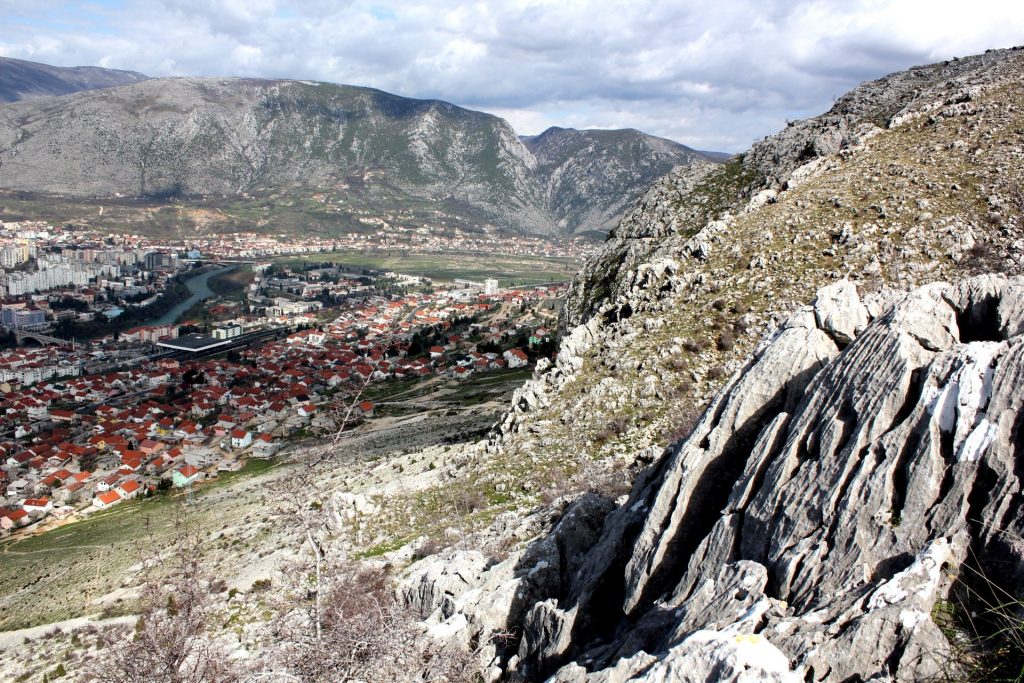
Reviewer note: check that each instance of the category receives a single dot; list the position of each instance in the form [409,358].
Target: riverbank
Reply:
[198,288]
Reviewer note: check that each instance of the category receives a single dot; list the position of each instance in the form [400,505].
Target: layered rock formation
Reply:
[860,464]
[808,525]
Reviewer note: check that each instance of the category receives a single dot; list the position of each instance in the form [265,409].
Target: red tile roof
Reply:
[109,497]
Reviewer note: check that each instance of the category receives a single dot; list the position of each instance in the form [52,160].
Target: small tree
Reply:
[337,621]
[172,640]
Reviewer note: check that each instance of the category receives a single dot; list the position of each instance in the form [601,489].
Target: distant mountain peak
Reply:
[21,79]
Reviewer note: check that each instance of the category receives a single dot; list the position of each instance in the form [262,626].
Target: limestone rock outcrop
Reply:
[805,529]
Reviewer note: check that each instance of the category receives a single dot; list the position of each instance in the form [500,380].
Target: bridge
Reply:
[41,339]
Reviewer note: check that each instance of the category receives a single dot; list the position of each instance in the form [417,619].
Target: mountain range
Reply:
[172,139]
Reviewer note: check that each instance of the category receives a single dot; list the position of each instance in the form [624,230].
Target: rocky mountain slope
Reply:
[589,177]
[824,493]
[167,138]
[20,79]
[828,499]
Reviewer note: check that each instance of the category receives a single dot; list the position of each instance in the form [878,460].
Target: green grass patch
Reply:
[508,270]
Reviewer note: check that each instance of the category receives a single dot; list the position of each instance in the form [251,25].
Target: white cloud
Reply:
[711,75]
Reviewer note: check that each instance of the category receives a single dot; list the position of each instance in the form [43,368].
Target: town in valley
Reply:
[134,367]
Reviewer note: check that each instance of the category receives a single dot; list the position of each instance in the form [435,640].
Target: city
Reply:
[120,379]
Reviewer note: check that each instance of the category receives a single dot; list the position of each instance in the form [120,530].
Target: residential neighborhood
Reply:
[74,442]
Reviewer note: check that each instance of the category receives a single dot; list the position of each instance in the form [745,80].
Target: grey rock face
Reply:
[464,598]
[868,107]
[802,530]
[839,312]
[184,136]
[590,178]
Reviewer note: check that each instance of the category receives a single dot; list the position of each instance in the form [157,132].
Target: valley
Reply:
[421,426]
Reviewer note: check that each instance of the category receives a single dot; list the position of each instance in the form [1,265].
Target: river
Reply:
[199,289]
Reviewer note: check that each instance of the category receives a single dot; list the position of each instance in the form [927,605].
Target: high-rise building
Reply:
[22,317]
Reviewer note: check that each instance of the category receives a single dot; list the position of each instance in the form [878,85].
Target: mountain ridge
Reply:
[21,79]
[167,138]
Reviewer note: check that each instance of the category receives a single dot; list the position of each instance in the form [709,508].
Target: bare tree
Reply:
[338,621]
[172,640]
[303,500]
[365,635]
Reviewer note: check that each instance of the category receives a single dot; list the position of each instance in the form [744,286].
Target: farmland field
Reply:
[508,270]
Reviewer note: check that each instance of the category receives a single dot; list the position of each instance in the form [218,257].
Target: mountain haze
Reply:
[180,137]
[20,79]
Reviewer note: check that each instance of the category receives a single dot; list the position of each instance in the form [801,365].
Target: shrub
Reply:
[470,500]
[365,634]
[695,345]
[616,426]
[984,624]
[726,340]
[431,546]
[982,258]
[716,372]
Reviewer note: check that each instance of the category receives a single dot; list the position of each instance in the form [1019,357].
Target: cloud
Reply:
[712,75]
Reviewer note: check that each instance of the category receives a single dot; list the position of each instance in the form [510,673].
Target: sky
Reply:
[712,74]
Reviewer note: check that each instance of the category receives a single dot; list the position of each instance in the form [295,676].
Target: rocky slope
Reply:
[20,79]
[781,437]
[167,138]
[855,471]
[806,528]
[589,177]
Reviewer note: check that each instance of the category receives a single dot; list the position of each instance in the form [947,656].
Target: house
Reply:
[105,500]
[69,493]
[364,409]
[240,438]
[10,519]
[108,483]
[129,489]
[42,505]
[151,447]
[185,475]
[264,446]
[516,358]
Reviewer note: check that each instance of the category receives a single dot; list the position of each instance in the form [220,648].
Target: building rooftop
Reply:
[194,342]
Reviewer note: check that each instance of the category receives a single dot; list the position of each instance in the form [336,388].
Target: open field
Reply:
[282,212]
[509,270]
